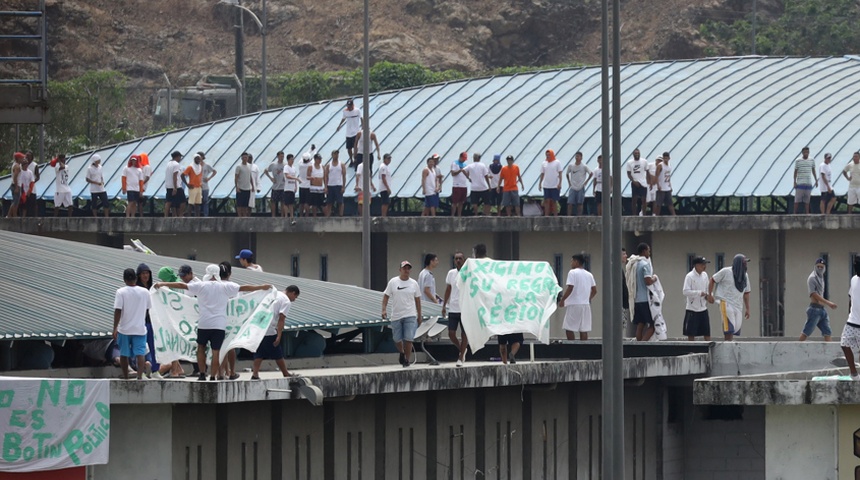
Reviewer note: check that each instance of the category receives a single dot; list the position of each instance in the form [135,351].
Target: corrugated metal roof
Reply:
[734,126]
[57,289]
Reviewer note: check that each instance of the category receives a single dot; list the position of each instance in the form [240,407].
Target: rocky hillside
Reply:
[185,39]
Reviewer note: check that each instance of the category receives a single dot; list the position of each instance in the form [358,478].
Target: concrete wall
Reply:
[206,247]
[801,442]
[137,436]
[194,452]
[724,446]
[343,251]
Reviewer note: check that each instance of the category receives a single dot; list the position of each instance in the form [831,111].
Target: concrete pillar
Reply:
[506,245]
[378,261]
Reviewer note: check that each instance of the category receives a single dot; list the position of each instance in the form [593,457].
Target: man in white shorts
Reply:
[733,291]
[851,172]
[63,193]
[850,340]
[581,288]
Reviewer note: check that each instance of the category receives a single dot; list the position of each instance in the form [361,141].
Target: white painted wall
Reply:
[274,252]
[801,442]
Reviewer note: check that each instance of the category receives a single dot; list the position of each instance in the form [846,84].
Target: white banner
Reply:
[174,323]
[49,424]
[501,297]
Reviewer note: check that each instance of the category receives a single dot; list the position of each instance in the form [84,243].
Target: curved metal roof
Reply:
[734,126]
[66,289]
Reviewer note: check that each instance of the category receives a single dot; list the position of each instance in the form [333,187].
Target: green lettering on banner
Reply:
[72,444]
[185,326]
[482,312]
[52,391]
[11,447]
[76,392]
[524,269]
[15,421]
[6,397]
[37,420]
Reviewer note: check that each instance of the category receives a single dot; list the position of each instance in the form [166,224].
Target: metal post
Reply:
[365,164]
[43,76]
[169,101]
[264,94]
[754,20]
[240,55]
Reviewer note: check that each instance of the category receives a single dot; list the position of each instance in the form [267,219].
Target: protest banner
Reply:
[498,297]
[174,323]
[50,424]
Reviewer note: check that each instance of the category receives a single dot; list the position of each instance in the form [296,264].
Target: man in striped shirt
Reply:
[804,179]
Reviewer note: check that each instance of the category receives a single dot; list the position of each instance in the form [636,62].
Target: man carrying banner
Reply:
[269,347]
[452,302]
[406,315]
[213,294]
[130,307]
[581,288]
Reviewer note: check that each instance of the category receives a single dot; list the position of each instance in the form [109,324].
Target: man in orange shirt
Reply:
[508,178]
[193,177]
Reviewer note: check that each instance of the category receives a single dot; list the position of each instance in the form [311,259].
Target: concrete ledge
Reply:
[790,388]
[154,225]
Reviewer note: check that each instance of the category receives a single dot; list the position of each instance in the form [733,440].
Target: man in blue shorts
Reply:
[405,296]
[816,314]
[130,307]
[269,348]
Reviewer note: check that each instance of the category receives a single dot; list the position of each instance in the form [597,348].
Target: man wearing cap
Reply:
[405,296]
[479,178]
[804,179]
[385,190]
[578,175]
[132,184]
[508,178]
[246,259]
[131,306]
[269,346]
[637,173]
[696,321]
[460,184]
[828,199]
[186,274]
[550,181]
[208,174]
[431,185]
[495,179]
[580,290]
[213,294]
[275,173]
[816,314]
[731,286]
[354,123]
[175,196]
[95,178]
[62,192]
[193,177]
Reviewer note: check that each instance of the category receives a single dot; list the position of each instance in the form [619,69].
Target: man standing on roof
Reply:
[427,281]
[335,176]
[130,307]
[509,175]
[96,180]
[850,339]
[132,184]
[305,184]
[291,186]
[460,184]
[146,170]
[213,295]
[550,181]
[385,190]
[354,123]
[696,320]
[246,260]
[17,158]
[405,296]
[275,173]
[25,185]
[175,196]
[733,291]
[255,177]
[244,187]
[451,306]
[63,192]
[495,180]
[816,314]
[851,172]
[208,174]
[828,199]
[663,181]
[597,189]
[316,177]
[576,299]
[804,179]
[578,175]
[37,175]
[359,189]
[269,348]
[479,178]
[651,196]
[431,185]
[639,267]
[637,173]
[361,154]
[193,177]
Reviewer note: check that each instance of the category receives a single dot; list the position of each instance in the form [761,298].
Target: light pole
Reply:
[264,96]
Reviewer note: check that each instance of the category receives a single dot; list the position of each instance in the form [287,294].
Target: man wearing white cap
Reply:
[213,295]
[405,298]
[96,180]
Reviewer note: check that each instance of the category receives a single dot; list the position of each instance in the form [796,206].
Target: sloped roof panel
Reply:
[733,125]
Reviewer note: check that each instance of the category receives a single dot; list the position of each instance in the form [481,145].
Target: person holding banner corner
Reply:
[268,348]
[406,315]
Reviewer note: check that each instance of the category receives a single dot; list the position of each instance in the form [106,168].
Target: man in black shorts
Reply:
[385,183]
[269,348]
[451,306]
[509,345]
[696,321]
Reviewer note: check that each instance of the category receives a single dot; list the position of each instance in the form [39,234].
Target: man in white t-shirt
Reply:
[597,189]
[576,299]
[851,172]
[352,118]
[850,339]
[269,348]
[431,185]
[96,181]
[663,181]
[246,260]
[175,198]
[637,173]
[426,280]
[213,296]
[696,320]
[405,296]
[275,173]
[451,306]
[130,306]
[291,186]
[63,192]
[459,184]
[479,182]
[550,181]
[825,185]
[132,184]
[385,189]
[733,291]
[578,174]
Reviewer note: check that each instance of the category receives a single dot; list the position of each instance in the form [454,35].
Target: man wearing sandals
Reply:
[269,348]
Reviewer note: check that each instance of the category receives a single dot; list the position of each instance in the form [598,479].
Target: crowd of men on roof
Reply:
[319,187]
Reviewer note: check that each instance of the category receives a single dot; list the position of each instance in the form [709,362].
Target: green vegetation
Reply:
[806,27]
